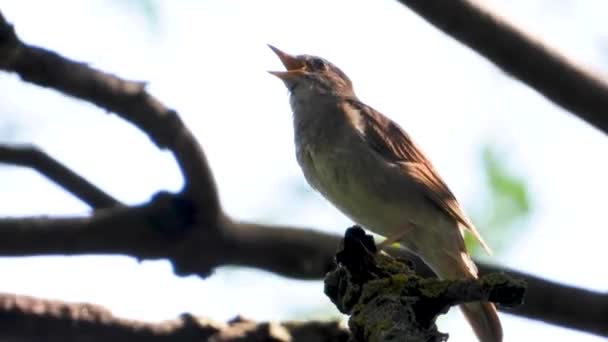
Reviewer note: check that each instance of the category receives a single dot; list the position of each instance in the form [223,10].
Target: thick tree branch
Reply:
[569,85]
[160,230]
[297,253]
[32,157]
[29,319]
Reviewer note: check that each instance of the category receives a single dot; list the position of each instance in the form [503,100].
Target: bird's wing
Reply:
[391,142]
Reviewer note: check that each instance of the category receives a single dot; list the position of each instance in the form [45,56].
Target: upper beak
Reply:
[293,64]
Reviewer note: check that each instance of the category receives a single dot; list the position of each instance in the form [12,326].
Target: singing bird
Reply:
[370,169]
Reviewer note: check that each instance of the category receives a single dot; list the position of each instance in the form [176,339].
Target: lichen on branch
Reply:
[387,301]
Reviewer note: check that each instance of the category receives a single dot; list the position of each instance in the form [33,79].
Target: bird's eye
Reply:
[317,64]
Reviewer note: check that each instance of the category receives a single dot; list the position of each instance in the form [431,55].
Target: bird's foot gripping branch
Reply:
[387,301]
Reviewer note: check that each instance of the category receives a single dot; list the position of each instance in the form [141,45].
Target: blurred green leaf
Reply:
[149,9]
[506,206]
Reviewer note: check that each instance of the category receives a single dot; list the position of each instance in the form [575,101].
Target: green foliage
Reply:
[506,206]
[148,9]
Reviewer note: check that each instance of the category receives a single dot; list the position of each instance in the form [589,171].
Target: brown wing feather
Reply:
[436,190]
[394,144]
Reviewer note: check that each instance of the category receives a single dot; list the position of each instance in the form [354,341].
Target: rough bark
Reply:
[387,301]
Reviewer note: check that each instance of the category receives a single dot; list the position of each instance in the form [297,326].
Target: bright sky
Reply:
[208,60]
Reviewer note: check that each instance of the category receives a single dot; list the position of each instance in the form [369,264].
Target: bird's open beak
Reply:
[294,65]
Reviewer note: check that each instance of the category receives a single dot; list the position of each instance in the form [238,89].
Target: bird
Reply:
[371,170]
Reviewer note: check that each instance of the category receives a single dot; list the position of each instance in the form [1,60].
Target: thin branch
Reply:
[29,319]
[128,99]
[562,81]
[36,159]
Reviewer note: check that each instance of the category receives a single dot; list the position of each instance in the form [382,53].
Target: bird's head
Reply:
[311,73]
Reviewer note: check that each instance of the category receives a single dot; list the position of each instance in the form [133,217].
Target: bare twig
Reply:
[29,319]
[553,75]
[55,171]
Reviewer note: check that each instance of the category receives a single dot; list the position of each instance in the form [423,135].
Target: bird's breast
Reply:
[351,180]
[339,163]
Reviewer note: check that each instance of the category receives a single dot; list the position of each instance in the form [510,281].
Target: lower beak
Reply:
[286,75]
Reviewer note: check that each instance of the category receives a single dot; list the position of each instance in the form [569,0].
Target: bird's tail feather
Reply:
[482,316]
[484,319]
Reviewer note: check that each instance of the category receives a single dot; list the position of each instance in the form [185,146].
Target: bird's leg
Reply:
[395,237]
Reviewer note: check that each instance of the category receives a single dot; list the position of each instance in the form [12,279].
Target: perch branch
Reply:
[576,308]
[387,301]
[582,92]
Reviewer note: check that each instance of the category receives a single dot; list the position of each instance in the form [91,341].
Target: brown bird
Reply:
[370,169]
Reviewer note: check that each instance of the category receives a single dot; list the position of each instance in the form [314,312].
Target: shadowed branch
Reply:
[29,319]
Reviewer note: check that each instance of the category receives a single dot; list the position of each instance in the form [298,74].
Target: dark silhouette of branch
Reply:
[582,92]
[160,229]
[296,253]
[29,319]
[32,157]
[190,229]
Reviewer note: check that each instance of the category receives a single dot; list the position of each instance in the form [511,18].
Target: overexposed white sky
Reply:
[208,60]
